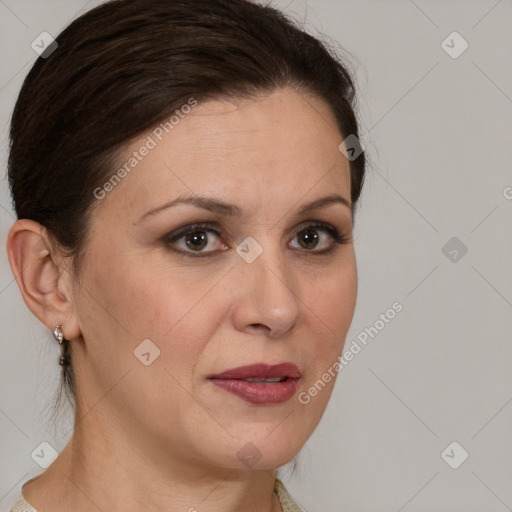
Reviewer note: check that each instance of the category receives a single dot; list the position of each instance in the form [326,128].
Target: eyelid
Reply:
[339,237]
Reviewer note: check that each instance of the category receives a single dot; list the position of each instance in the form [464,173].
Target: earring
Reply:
[58,334]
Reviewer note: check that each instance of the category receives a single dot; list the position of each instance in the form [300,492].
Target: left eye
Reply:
[312,236]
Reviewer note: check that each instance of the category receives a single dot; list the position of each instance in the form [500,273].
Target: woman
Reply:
[185,202]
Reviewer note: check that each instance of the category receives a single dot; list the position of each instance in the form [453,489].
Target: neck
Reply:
[101,469]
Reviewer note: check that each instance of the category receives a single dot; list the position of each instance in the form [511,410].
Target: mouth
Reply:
[260,384]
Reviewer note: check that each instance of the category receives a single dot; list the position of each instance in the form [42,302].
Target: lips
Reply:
[260,384]
[261,371]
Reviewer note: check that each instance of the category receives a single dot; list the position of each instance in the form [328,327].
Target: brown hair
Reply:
[121,68]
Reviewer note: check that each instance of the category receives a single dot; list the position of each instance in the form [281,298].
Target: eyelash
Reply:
[180,233]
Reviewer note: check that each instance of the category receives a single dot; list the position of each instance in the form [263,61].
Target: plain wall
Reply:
[438,132]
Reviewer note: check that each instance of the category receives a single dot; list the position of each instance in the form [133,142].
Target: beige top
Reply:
[287,502]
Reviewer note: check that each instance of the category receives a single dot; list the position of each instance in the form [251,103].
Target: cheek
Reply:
[124,304]
[178,311]
[330,312]
[331,302]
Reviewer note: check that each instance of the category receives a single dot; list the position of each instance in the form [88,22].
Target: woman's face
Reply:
[286,295]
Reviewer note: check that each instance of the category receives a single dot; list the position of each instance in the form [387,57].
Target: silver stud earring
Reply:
[58,334]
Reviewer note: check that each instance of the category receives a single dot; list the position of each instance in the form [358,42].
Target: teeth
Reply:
[270,379]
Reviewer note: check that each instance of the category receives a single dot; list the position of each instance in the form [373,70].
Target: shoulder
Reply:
[287,502]
[21,505]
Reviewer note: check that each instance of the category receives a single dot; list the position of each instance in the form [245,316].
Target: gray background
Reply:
[438,132]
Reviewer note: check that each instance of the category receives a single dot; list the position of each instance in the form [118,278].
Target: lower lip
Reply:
[259,393]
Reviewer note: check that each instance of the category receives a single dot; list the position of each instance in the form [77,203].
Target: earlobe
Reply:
[35,266]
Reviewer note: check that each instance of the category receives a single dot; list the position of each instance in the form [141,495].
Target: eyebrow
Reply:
[231,210]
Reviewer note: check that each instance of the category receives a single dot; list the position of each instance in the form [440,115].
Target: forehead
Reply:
[277,147]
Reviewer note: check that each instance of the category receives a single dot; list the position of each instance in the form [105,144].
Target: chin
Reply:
[261,450]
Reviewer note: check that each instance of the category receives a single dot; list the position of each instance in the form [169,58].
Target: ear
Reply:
[43,276]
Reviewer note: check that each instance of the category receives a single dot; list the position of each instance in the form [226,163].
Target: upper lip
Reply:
[260,371]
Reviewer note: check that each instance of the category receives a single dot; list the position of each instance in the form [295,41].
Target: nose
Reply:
[265,294]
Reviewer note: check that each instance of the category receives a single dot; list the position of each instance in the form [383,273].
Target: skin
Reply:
[163,436]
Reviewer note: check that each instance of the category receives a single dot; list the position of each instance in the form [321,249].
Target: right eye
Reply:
[195,240]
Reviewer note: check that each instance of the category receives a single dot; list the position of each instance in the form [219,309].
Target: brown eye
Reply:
[317,238]
[205,240]
[309,238]
[196,240]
